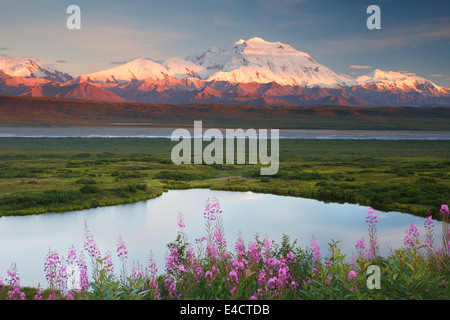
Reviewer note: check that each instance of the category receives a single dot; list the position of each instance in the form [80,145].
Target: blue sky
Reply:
[414,35]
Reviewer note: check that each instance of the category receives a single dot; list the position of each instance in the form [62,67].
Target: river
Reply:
[144,132]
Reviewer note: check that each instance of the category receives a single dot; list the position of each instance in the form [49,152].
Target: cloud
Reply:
[120,62]
[353,66]
[436,75]
[4,48]
[62,61]
[110,38]
[407,36]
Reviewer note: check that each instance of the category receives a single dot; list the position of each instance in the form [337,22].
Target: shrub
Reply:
[179,176]
[88,189]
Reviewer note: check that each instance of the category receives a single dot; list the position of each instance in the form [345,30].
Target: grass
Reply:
[39,175]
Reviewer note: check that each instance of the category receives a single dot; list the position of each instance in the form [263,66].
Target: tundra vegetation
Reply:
[43,174]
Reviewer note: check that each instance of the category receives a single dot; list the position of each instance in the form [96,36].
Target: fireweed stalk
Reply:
[372,220]
[445,214]
[54,269]
[122,254]
[13,282]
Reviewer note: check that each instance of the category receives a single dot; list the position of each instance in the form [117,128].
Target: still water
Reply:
[150,225]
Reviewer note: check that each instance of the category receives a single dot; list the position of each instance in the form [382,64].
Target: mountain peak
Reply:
[30,67]
[404,78]
[257,39]
[261,61]
[134,70]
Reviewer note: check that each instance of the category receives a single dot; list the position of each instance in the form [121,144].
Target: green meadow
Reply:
[40,175]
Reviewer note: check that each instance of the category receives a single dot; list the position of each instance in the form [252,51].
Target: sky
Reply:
[414,35]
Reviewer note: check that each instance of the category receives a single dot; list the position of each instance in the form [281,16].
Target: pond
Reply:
[151,224]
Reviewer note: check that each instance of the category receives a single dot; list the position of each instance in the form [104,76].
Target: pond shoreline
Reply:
[151,225]
[275,192]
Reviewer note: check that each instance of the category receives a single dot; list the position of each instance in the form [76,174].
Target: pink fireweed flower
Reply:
[254,252]
[212,210]
[152,265]
[429,223]
[219,240]
[121,249]
[371,220]
[69,296]
[368,255]
[262,277]
[352,274]
[329,277]
[172,288]
[353,262]
[444,209]
[371,217]
[239,247]
[108,264]
[290,257]
[38,295]
[199,240]
[360,244]
[411,237]
[182,268]
[267,248]
[181,222]
[91,247]
[173,262]
[429,228]
[52,269]
[316,251]
[84,277]
[212,251]
[14,292]
[239,264]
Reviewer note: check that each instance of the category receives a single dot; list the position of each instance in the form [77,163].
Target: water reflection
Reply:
[150,225]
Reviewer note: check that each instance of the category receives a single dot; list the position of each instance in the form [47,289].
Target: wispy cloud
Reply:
[436,75]
[412,35]
[119,62]
[110,38]
[353,66]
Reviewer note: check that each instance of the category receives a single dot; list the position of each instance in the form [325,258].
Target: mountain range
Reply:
[250,72]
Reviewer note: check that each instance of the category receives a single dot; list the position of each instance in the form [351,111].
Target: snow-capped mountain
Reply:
[134,70]
[27,67]
[251,71]
[260,61]
[254,60]
[181,69]
[399,81]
